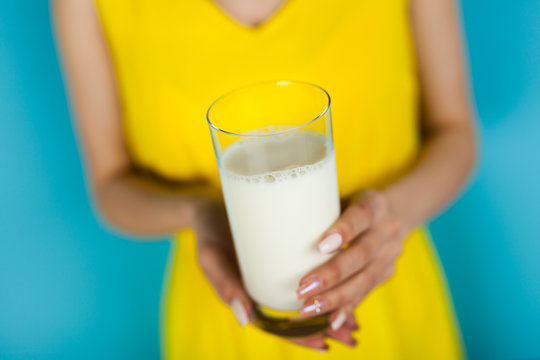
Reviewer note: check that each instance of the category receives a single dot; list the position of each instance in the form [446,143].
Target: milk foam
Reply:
[278,176]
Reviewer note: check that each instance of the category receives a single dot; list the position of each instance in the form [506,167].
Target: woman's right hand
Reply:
[217,259]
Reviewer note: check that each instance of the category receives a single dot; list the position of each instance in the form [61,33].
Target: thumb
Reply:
[222,273]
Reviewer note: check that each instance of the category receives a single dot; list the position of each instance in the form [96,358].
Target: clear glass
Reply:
[275,153]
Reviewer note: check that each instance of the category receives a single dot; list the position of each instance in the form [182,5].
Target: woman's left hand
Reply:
[368,238]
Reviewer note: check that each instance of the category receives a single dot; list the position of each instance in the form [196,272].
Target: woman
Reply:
[142,74]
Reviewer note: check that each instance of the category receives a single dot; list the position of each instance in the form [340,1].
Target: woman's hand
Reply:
[368,238]
[217,259]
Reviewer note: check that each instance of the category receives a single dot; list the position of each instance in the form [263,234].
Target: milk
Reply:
[281,194]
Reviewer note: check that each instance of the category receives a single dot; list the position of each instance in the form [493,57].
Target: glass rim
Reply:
[279,83]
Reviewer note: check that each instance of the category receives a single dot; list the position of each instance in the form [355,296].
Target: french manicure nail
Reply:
[338,321]
[239,311]
[330,243]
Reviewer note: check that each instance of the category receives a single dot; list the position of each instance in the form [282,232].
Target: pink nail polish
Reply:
[331,243]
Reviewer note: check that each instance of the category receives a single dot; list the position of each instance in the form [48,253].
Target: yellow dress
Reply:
[174,57]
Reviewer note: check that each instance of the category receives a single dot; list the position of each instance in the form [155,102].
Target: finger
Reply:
[354,220]
[351,260]
[343,317]
[354,289]
[225,280]
[219,270]
[315,342]
[338,320]
[377,202]
[342,266]
[338,326]
[381,212]
[350,319]
[388,273]
[352,324]
[343,335]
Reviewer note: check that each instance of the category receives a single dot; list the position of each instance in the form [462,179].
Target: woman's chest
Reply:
[178,56]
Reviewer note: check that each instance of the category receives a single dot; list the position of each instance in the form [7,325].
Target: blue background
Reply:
[69,289]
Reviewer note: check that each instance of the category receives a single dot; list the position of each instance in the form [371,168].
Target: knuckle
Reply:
[333,273]
[338,299]
[357,219]
[347,229]
[364,250]
[379,200]
[335,298]
[361,209]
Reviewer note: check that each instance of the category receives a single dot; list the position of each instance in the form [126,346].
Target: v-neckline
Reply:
[272,18]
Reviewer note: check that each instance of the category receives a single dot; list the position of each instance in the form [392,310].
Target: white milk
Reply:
[279,200]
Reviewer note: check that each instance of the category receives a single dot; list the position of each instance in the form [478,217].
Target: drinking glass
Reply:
[275,154]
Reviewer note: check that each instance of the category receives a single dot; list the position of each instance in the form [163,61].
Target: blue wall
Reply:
[489,241]
[70,290]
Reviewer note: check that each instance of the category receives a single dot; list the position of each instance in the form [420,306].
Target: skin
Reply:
[374,224]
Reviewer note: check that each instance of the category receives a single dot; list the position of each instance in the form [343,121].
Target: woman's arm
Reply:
[449,152]
[376,223]
[132,203]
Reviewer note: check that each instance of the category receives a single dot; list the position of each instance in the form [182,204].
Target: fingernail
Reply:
[322,350]
[309,285]
[338,321]
[330,243]
[314,307]
[239,311]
